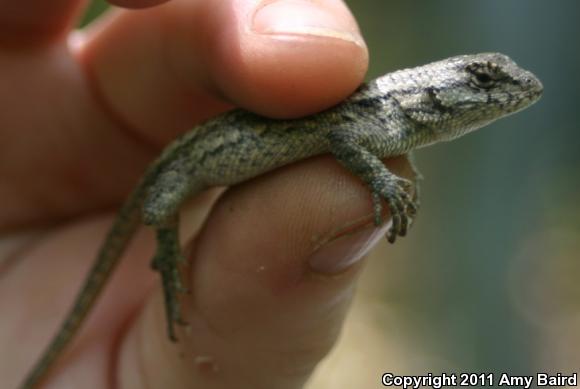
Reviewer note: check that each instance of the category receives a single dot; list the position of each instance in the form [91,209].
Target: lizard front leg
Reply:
[384,185]
[417,178]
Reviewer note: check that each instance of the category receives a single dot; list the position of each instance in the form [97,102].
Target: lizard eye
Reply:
[484,75]
[483,80]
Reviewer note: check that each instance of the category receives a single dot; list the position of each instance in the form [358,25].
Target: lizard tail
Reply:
[125,224]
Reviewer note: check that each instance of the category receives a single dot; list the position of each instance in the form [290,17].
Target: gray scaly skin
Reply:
[389,116]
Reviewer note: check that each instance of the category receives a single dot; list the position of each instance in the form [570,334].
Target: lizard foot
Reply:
[403,208]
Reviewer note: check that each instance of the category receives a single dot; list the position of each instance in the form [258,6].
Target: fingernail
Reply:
[347,249]
[300,17]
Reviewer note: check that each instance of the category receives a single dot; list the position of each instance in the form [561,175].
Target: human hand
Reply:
[274,265]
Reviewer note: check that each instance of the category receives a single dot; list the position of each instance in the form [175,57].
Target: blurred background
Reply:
[489,279]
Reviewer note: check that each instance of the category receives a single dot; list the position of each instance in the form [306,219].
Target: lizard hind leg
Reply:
[160,209]
[167,261]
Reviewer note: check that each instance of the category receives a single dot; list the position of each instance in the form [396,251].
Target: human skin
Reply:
[273,264]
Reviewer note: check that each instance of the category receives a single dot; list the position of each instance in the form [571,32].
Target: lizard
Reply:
[388,116]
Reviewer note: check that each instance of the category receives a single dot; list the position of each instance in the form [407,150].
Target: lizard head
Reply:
[460,94]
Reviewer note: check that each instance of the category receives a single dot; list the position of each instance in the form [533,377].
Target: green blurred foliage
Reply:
[96,7]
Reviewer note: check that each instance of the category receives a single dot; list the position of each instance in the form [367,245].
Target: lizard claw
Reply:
[402,206]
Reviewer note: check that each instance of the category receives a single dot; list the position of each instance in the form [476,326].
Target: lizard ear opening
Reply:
[436,101]
[428,108]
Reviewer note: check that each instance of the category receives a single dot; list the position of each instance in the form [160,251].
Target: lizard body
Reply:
[389,116]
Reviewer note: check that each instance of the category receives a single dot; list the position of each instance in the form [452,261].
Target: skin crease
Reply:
[75,142]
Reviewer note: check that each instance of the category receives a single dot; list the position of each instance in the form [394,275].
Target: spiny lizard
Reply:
[389,116]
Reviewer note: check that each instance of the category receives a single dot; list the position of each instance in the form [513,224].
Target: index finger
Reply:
[165,68]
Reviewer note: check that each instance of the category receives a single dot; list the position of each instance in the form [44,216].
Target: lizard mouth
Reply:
[529,97]
[533,87]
